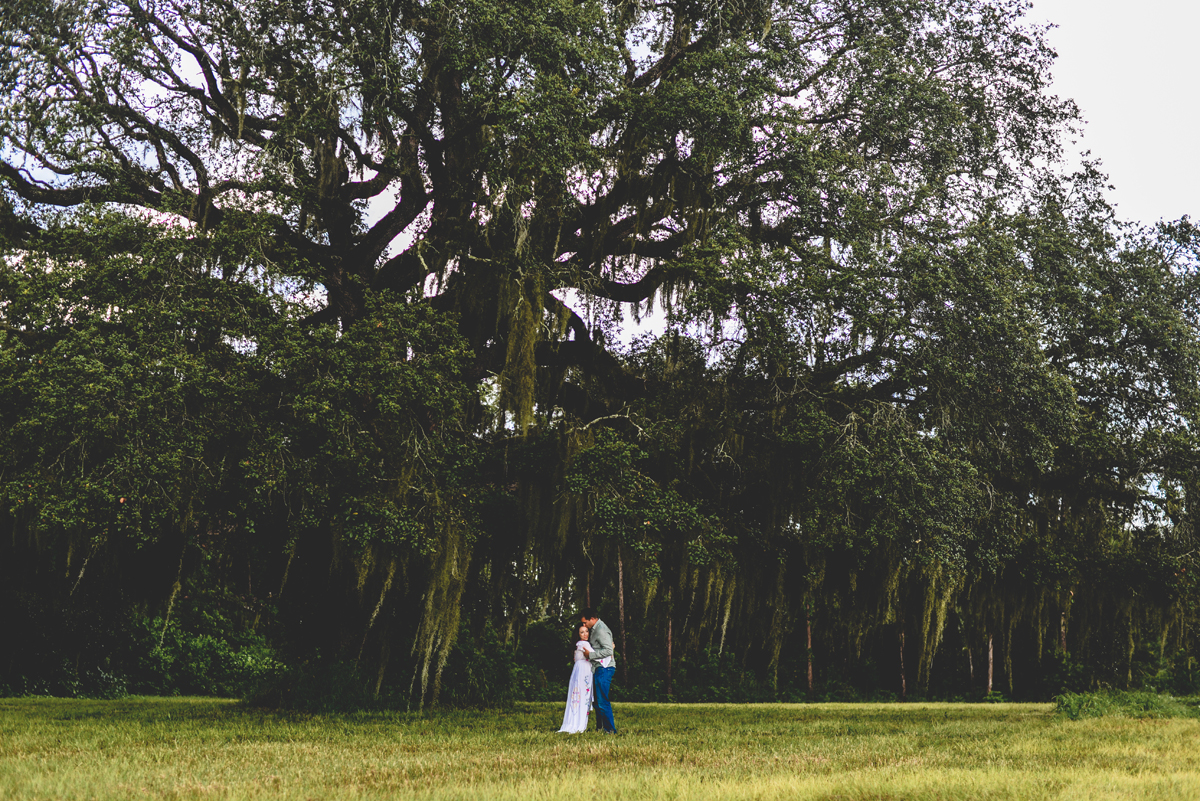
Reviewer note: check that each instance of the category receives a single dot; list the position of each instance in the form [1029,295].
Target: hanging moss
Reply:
[383,595]
[441,599]
[521,302]
[941,588]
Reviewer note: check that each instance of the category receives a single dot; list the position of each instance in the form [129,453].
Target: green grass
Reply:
[212,749]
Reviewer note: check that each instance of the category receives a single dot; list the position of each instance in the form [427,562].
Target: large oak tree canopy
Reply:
[522,153]
[904,349]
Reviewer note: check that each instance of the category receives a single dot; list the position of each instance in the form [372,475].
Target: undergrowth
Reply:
[1125,704]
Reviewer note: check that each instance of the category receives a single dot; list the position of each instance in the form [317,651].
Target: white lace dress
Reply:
[579,693]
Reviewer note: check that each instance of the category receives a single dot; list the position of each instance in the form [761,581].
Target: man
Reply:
[604,665]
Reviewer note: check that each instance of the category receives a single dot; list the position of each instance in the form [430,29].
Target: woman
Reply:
[579,692]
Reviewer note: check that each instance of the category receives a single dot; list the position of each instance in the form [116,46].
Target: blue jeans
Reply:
[601,681]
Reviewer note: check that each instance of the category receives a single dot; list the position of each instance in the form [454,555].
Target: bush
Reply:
[1179,675]
[1125,704]
[314,686]
[87,651]
[172,660]
[479,672]
[717,678]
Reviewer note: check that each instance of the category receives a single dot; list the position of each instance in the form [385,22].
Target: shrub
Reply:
[1125,704]
[317,685]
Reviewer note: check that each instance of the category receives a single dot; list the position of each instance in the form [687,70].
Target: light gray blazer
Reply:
[601,641]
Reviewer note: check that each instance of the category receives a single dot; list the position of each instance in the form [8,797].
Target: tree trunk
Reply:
[621,616]
[725,620]
[670,685]
[808,629]
[991,664]
[903,680]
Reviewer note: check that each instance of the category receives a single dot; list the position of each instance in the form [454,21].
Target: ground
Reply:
[191,748]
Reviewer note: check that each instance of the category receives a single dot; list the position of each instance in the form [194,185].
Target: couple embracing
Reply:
[591,676]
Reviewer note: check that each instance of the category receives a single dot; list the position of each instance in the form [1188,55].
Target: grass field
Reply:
[210,749]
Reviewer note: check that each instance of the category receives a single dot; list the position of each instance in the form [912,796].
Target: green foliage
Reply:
[717,678]
[482,672]
[367,423]
[104,654]
[318,308]
[216,660]
[629,507]
[321,685]
[1122,704]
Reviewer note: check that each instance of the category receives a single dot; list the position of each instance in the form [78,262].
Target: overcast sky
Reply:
[1133,68]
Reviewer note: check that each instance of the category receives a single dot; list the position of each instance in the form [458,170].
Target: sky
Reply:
[1134,68]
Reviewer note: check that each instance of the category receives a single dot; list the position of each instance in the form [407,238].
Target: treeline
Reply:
[179,508]
[316,382]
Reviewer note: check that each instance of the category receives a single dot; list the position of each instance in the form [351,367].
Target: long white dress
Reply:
[579,692]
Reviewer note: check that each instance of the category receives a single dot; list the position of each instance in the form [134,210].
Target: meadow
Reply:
[192,748]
